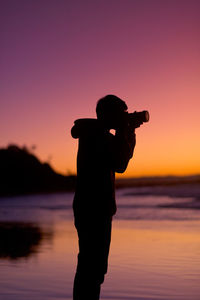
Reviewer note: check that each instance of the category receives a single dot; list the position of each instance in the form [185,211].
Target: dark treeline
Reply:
[21,172]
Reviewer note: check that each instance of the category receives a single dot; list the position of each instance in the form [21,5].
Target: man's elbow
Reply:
[120,169]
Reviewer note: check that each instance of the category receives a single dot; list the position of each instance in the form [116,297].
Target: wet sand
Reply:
[154,251]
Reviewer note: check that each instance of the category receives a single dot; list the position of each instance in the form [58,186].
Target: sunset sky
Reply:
[58,57]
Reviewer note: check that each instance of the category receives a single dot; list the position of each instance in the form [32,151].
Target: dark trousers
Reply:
[94,243]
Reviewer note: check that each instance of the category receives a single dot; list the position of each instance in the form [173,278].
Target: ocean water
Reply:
[154,255]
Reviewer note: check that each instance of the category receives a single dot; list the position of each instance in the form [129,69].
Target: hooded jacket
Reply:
[100,155]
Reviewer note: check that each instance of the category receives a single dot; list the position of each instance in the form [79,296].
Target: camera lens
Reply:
[146,116]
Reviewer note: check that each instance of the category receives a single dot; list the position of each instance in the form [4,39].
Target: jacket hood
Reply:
[86,127]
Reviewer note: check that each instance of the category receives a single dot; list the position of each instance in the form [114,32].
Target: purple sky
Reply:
[59,57]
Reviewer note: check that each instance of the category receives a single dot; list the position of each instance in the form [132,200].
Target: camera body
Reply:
[136,119]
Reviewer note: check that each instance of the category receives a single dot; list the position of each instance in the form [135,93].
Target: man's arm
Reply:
[121,148]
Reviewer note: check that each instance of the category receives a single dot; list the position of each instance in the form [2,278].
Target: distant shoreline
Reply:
[22,173]
[69,182]
[157,181]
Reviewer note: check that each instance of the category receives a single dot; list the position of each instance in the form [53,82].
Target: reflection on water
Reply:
[154,255]
[154,260]
[21,239]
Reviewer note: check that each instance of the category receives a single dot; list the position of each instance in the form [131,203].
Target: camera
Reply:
[136,119]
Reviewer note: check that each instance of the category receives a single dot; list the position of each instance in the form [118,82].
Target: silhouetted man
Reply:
[100,155]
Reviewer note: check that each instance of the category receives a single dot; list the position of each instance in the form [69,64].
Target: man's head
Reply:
[110,110]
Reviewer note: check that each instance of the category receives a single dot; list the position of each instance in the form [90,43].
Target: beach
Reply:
[154,254]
